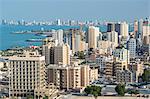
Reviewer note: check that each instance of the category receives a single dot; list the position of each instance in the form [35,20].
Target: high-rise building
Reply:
[48,51]
[119,65]
[146,28]
[137,70]
[62,54]
[93,35]
[68,77]
[118,28]
[146,32]
[58,35]
[58,22]
[113,37]
[136,26]
[140,29]
[131,45]
[56,53]
[101,62]
[73,39]
[122,54]
[124,29]
[108,70]
[110,27]
[27,73]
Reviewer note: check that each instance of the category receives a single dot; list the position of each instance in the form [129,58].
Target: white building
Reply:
[131,44]
[122,54]
[101,62]
[58,35]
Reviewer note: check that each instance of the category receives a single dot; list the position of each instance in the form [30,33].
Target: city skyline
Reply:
[111,10]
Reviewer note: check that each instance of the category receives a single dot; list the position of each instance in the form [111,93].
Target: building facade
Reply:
[27,73]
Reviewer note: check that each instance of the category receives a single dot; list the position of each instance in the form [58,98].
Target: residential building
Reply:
[137,70]
[71,77]
[93,35]
[124,76]
[27,73]
[62,54]
[122,54]
[119,65]
[55,54]
[131,45]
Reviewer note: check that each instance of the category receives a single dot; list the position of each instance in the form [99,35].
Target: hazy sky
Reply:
[74,9]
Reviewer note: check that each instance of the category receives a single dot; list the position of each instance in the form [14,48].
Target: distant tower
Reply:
[136,26]
[58,22]
[110,27]
[140,26]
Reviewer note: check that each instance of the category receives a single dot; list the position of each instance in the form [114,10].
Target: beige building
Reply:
[93,73]
[137,69]
[48,50]
[112,67]
[124,29]
[119,66]
[27,72]
[62,54]
[55,53]
[74,77]
[93,34]
[104,44]
[146,32]
[108,70]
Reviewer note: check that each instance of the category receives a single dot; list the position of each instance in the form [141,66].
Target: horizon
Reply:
[81,10]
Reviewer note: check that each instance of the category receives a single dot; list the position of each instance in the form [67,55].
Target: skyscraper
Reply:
[58,35]
[110,27]
[124,29]
[136,26]
[93,35]
[146,32]
[48,51]
[131,45]
[62,54]
[58,22]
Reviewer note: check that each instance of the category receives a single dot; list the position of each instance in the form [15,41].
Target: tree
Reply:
[120,89]
[146,76]
[133,92]
[81,55]
[30,97]
[93,90]
[46,97]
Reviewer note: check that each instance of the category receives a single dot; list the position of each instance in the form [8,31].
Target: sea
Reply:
[8,39]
